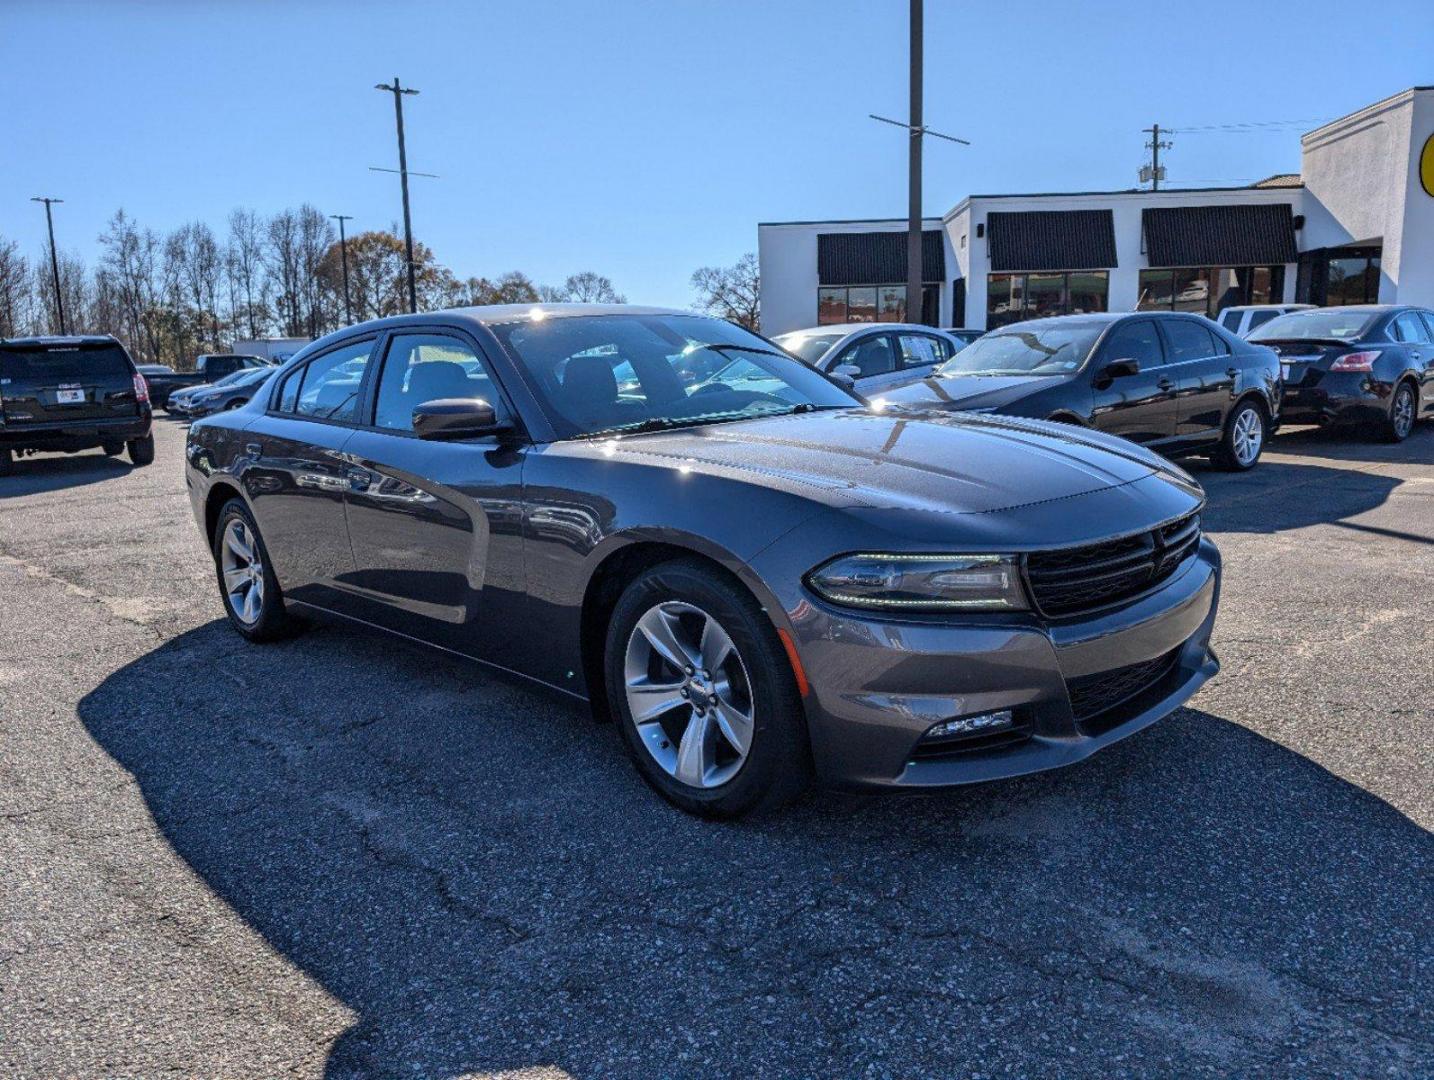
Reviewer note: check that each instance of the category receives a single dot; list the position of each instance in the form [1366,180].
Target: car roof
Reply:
[1266,307]
[72,339]
[846,329]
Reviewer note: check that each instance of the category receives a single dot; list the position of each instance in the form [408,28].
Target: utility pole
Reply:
[398,91]
[917,131]
[344,258]
[54,261]
[1152,171]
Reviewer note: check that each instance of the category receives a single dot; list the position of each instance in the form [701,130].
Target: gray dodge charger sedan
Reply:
[757,576]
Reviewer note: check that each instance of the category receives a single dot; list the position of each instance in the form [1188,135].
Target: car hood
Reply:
[967,391]
[947,462]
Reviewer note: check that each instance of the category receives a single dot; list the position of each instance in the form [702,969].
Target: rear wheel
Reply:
[113,449]
[247,584]
[1402,410]
[1243,439]
[703,693]
[141,451]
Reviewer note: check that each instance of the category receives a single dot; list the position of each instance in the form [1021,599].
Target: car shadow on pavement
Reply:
[35,475]
[478,874]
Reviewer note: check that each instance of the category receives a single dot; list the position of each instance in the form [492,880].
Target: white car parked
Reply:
[874,356]
[1241,320]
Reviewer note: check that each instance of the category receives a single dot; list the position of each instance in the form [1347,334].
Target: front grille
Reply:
[1092,695]
[1076,580]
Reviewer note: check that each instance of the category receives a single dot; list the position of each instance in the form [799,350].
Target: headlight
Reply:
[921,582]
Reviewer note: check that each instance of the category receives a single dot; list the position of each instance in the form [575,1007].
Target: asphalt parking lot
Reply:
[343,856]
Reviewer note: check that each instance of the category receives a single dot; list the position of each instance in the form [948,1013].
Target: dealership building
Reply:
[1355,225]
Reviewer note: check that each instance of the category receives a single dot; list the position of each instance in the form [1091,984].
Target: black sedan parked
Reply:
[1175,382]
[757,576]
[1370,364]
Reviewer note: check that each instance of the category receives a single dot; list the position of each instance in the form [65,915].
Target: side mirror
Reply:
[840,376]
[456,418]
[1120,369]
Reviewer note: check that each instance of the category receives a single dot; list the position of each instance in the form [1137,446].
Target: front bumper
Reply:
[878,686]
[75,434]
[1339,397]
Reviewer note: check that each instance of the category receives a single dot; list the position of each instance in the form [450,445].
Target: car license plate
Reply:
[69,397]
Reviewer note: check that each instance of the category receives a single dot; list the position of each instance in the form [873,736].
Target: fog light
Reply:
[972,725]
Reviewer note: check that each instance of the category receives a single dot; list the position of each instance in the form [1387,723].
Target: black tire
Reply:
[1226,455]
[778,763]
[113,449]
[141,451]
[273,622]
[237,403]
[1398,426]
[7,462]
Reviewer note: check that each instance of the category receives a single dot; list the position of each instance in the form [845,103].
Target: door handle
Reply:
[1165,384]
[358,479]
[1233,372]
[253,449]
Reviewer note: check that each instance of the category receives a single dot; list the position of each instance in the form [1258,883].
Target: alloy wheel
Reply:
[1403,418]
[689,694]
[243,571]
[1248,435]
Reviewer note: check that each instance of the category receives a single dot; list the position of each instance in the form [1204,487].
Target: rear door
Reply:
[1205,375]
[918,354]
[1139,407]
[56,384]
[296,473]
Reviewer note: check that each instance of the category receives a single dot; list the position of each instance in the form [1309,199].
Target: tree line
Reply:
[171,296]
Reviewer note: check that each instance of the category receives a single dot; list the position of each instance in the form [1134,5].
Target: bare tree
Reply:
[15,289]
[246,263]
[588,287]
[731,292]
[130,267]
[315,238]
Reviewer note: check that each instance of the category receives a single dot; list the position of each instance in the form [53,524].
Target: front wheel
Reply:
[704,694]
[141,451]
[1401,414]
[237,403]
[1243,439]
[247,584]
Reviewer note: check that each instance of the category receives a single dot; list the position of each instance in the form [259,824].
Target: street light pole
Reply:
[913,210]
[344,258]
[54,261]
[398,91]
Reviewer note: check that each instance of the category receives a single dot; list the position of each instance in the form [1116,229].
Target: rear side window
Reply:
[1188,340]
[1408,327]
[922,349]
[62,365]
[1231,321]
[328,387]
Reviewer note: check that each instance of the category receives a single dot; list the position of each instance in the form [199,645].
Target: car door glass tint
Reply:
[1408,327]
[1231,321]
[429,367]
[332,383]
[1188,340]
[918,350]
[289,392]
[1135,341]
[872,355]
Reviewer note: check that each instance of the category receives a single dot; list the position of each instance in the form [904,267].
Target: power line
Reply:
[1247,127]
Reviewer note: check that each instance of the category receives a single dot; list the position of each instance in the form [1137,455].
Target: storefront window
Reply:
[1192,291]
[831,306]
[1013,297]
[1353,281]
[1208,290]
[873,303]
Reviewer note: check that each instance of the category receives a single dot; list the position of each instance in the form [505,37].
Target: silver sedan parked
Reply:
[873,355]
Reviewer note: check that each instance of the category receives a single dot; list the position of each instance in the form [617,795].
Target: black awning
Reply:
[1051,240]
[1248,234]
[876,258]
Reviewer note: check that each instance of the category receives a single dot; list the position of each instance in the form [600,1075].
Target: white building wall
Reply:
[787,258]
[1416,246]
[1125,209]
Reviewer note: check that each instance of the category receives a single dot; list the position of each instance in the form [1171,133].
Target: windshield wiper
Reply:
[669,423]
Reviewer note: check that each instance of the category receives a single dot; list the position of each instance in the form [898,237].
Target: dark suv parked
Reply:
[1175,382]
[1369,364]
[71,393]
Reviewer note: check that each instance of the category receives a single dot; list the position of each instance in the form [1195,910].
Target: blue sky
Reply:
[642,139]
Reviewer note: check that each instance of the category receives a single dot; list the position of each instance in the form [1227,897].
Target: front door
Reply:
[296,473]
[436,526]
[1139,406]
[874,357]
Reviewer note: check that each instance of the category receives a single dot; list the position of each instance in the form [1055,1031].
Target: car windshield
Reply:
[1027,349]
[808,347]
[597,374]
[1326,324]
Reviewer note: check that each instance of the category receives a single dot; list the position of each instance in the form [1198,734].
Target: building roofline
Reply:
[1367,110]
[852,221]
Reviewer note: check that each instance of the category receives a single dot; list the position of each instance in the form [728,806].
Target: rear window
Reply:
[47,365]
[1325,324]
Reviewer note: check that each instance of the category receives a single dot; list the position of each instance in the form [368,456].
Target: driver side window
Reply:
[1139,341]
[871,355]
